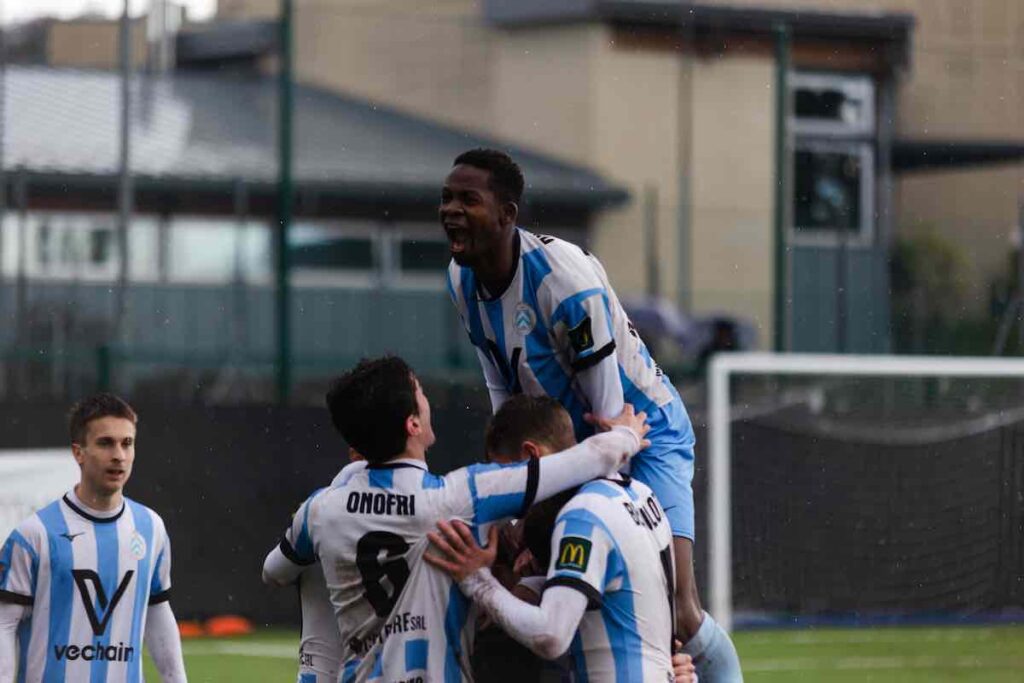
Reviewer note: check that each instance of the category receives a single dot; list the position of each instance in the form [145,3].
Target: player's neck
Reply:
[497,271]
[98,500]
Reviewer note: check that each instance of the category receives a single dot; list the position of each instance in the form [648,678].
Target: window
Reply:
[334,254]
[833,125]
[217,250]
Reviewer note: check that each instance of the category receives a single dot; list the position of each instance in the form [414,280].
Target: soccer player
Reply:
[319,641]
[399,618]
[86,580]
[634,578]
[545,320]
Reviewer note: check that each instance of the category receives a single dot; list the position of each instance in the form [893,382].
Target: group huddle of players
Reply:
[407,576]
[596,574]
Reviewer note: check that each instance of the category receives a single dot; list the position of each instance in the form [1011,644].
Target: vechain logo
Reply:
[98,653]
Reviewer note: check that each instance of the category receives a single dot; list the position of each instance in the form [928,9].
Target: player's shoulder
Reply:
[592,499]
[557,264]
[31,530]
[141,512]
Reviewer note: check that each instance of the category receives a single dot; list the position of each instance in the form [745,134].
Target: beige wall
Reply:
[965,81]
[733,138]
[92,44]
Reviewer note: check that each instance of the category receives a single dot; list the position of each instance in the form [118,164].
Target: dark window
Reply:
[423,255]
[334,253]
[827,190]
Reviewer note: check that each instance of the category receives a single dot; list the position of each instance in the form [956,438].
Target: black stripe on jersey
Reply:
[532,480]
[594,599]
[16,598]
[91,518]
[288,551]
[581,364]
[163,596]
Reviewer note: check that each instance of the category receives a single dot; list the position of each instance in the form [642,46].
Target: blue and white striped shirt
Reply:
[89,581]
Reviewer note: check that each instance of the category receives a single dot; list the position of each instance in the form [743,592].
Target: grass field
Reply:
[989,654]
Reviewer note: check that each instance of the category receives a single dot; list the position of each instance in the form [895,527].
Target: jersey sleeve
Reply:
[485,493]
[296,544]
[160,585]
[583,555]
[581,316]
[19,567]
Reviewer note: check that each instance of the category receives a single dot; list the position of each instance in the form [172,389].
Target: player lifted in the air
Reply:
[86,580]
[607,554]
[545,320]
[398,617]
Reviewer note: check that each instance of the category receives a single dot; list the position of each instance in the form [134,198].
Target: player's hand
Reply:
[462,555]
[627,418]
[682,667]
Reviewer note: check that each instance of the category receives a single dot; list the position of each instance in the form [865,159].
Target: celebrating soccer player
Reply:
[86,580]
[545,320]
[319,641]
[610,548]
[398,617]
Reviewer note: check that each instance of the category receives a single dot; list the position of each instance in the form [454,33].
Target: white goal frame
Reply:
[721,369]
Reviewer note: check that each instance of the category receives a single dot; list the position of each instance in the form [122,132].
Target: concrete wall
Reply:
[93,44]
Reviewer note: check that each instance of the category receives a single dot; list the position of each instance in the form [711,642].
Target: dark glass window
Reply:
[423,255]
[827,190]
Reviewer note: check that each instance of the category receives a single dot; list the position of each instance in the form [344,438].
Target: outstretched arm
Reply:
[163,641]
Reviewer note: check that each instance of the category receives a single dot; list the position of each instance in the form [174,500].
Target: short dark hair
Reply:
[506,180]
[369,405]
[93,408]
[521,418]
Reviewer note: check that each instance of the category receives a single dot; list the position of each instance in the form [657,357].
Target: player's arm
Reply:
[163,642]
[289,558]
[582,321]
[495,383]
[546,629]
[19,568]
[490,493]
[162,639]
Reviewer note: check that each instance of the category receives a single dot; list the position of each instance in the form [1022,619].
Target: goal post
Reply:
[724,367]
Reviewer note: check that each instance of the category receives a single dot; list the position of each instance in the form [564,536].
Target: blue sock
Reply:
[713,654]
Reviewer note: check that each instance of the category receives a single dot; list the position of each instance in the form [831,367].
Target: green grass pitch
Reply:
[973,654]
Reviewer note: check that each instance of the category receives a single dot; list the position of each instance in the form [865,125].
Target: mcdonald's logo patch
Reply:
[574,554]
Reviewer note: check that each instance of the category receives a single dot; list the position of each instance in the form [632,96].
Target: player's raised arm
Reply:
[489,493]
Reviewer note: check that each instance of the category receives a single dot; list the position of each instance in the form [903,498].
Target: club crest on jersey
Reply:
[573,554]
[524,319]
[137,545]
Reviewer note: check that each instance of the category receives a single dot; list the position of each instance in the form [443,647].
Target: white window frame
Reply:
[828,237]
[857,86]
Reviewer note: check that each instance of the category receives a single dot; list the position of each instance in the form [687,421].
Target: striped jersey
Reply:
[399,618]
[612,542]
[89,581]
[319,644]
[558,317]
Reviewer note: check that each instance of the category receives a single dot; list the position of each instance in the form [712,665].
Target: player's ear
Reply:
[509,213]
[413,425]
[529,449]
[77,454]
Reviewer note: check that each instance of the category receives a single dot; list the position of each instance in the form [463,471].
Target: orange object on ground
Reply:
[228,625]
[190,629]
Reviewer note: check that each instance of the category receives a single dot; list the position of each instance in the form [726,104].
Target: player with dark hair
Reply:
[545,320]
[399,618]
[86,580]
[608,590]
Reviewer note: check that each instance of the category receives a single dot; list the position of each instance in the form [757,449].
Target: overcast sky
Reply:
[22,10]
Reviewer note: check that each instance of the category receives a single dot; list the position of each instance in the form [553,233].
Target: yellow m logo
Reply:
[573,553]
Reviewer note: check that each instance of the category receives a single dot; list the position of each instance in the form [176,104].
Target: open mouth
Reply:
[458,238]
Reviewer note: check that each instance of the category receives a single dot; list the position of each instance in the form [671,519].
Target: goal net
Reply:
[865,488]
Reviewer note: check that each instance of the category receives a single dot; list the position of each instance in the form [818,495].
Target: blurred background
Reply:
[213,206]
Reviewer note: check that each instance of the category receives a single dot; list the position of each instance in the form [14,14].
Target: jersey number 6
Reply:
[373,568]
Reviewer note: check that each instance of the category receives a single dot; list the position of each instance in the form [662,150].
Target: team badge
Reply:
[581,337]
[137,546]
[524,319]
[573,554]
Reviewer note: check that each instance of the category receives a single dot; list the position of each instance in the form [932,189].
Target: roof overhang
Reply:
[699,19]
[924,155]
